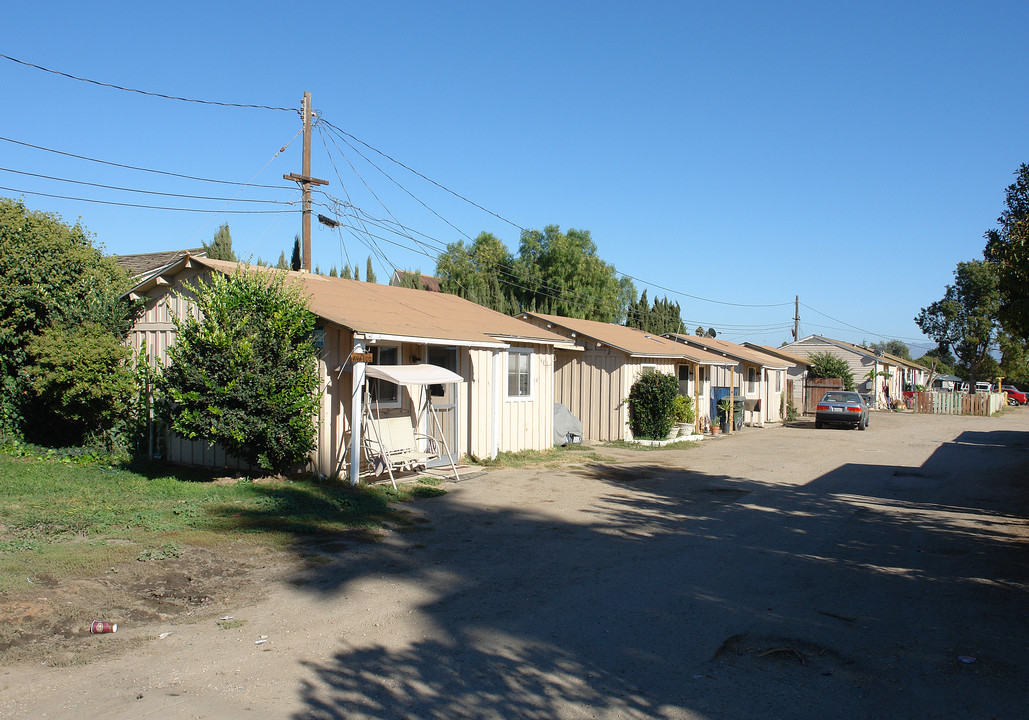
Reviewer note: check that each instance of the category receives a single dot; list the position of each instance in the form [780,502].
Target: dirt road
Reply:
[779,573]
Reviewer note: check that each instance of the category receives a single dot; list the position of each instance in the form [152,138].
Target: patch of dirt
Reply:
[783,655]
[50,622]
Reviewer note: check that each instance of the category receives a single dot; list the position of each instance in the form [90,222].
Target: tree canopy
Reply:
[554,272]
[51,275]
[244,375]
[664,316]
[964,321]
[826,365]
[220,247]
[1008,247]
[896,348]
[296,261]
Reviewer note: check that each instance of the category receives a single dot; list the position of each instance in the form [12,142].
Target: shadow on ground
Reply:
[690,595]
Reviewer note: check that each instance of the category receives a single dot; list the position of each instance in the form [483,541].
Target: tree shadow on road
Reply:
[683,594]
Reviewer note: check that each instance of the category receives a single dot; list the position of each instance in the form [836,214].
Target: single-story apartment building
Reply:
[796,375]
[757,377]
[594,380]
[878,375]
[505,405]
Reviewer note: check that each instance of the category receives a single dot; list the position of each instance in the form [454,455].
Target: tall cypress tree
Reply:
[220,247]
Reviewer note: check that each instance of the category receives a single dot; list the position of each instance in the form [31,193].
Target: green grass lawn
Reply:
[60,518]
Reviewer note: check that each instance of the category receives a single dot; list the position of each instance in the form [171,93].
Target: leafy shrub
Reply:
[51,274]
[651,400]
[244,375]
[826,365]
[682,409]
[79,385]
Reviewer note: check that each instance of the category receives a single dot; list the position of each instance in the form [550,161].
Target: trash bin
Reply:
[737,415]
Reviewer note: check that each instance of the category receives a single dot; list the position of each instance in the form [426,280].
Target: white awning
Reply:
[413,374]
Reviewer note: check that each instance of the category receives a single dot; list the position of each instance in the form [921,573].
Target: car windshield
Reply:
[841,397]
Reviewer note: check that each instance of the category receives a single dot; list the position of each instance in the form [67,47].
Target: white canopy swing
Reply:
[392,443]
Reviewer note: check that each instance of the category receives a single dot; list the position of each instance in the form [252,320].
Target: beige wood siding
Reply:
[528,423]
[330,457]
[595,384]
[496,422]
[590,384]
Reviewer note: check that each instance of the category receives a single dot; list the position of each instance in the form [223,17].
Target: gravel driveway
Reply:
[783,572]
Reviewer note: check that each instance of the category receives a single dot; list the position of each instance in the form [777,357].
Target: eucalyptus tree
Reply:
[964,320]
[1008,247]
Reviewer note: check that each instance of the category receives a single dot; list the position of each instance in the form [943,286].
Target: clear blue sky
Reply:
[851,154]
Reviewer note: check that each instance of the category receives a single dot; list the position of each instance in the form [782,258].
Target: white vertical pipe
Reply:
[356,413]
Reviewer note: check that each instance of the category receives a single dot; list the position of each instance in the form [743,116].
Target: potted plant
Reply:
[724,408]
[683,414]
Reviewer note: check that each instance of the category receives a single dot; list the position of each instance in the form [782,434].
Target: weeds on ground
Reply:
[629,445]
[60,518]
[550,457]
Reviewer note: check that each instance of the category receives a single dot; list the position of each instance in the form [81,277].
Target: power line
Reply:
[145,192]
[390,178]
[423,177]
[147,207]
[145,92]
[143,169]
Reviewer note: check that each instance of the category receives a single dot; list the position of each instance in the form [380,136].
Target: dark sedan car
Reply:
[841,407]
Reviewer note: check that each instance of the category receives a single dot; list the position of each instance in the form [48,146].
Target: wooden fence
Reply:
[815,388]
[956,403]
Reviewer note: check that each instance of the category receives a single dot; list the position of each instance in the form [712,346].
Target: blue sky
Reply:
[719,153]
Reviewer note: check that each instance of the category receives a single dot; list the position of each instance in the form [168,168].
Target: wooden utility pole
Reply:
[306,181]
[796,317]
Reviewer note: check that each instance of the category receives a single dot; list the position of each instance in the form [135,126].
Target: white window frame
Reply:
[527,353]
[384,404]
[752,382]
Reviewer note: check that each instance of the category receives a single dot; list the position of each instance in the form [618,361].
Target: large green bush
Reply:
[244,375]
[51,276]
[79,386]
[651,400]
[826,365]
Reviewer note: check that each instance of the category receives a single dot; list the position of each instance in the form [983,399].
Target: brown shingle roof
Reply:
[429,282]
[737,351]
[385,310]
[629,340]
[779,352]
[142,263]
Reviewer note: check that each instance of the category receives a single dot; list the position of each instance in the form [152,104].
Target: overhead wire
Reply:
[148,207]
[427,179]
[136,190]
[383,259]
[369,189]
[392,180]
[146,92]
[148,170]
[580,300]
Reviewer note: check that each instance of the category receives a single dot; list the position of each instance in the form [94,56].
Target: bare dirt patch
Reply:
[49,621]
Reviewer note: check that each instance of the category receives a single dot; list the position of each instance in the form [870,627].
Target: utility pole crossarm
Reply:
[297,177]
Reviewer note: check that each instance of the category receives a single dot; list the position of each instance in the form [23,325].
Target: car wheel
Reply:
[818,425]
[862,425]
